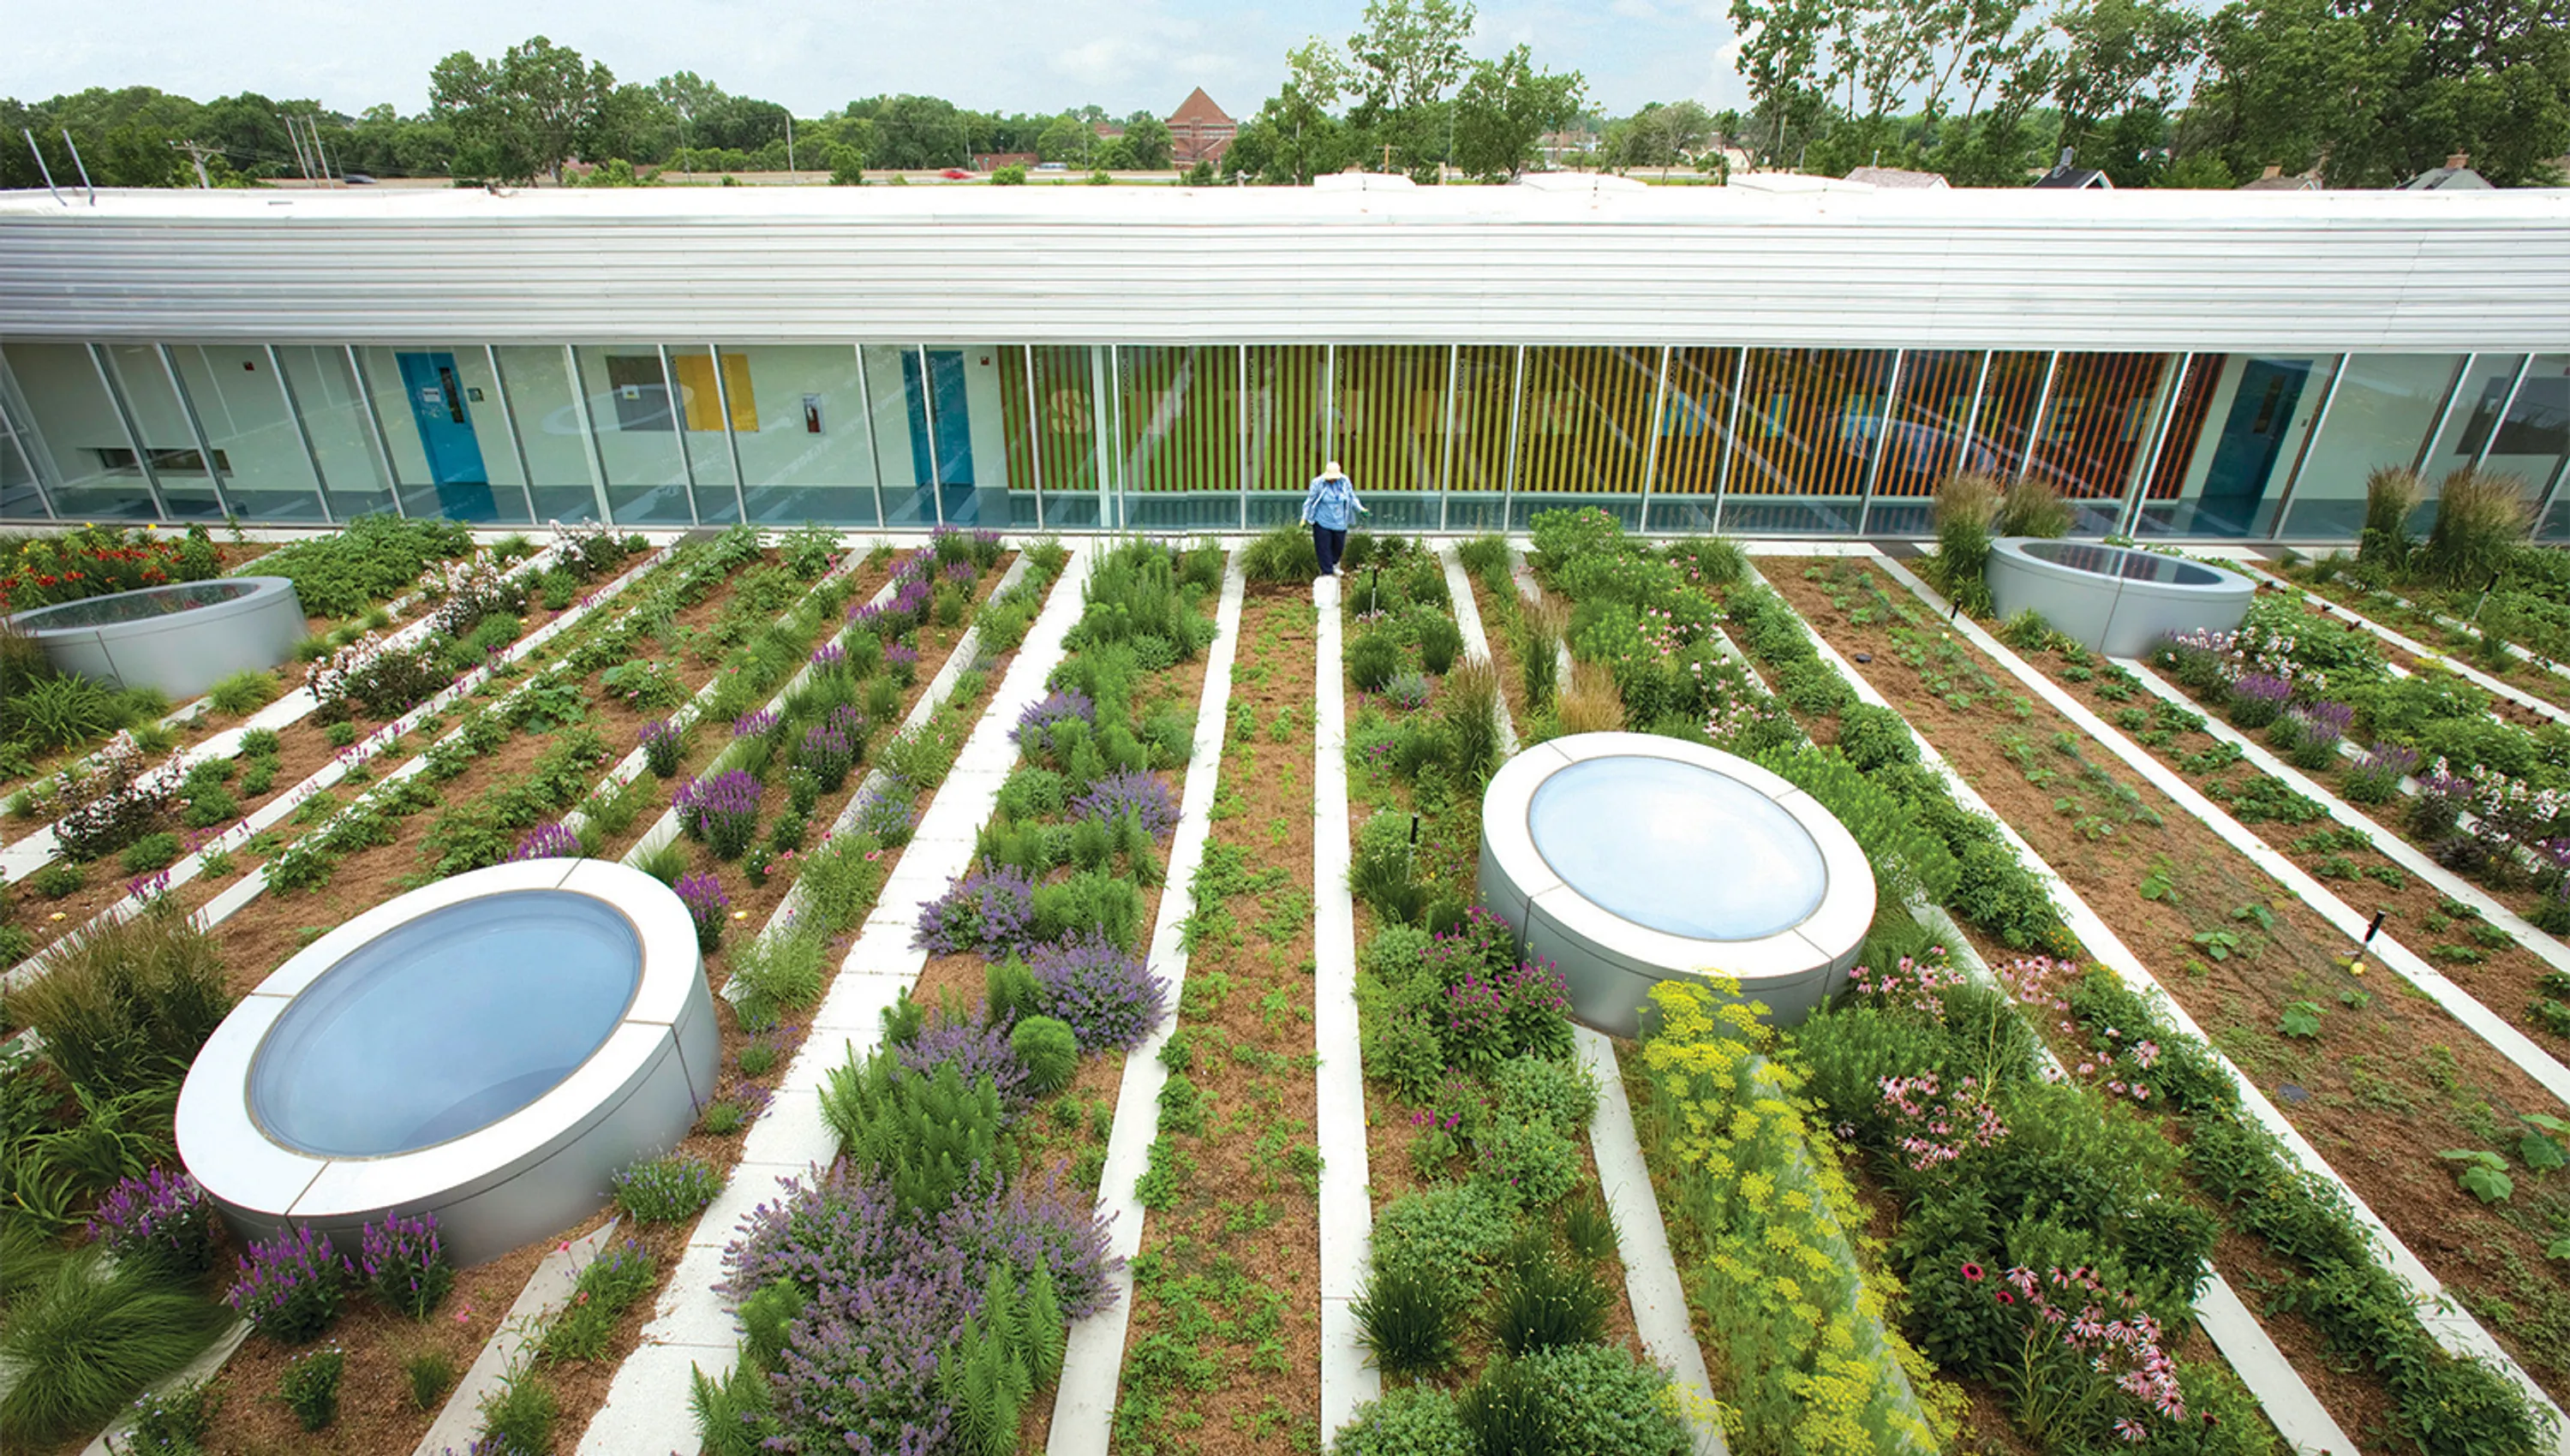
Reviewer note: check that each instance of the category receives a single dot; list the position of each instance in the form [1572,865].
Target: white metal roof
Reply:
[1962,267]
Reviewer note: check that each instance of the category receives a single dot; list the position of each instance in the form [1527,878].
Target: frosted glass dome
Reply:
[1678,847]
[438,1028]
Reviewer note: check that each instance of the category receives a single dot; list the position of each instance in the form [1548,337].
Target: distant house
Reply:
[2065,174]
[1199,131]
[2456,176]
[2273,180]
[1894,176]
[1573,146]
[994,161]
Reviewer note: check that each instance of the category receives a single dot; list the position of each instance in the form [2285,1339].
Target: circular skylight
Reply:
[1677,848]
[446,1023]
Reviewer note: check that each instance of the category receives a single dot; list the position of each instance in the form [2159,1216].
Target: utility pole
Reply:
[197,151]
[303,163]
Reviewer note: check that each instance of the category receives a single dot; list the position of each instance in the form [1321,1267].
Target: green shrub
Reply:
[1547,1305]
[1595,1400]
[58,712]
[1589,1228]
[1467,716]
[428,1374]
[2391,498]
[1540,1089]
[518,1418]
[1048,1050]
[607,1286]
[174,1423]
[1373,658]
[2482,517]
[1410,1420]
[929,1137]
[1441,641]
[1870,737]
[1406,1321]
[1454,1233]
[1968,506]
[1091,899]
[2030,505]
[58,879]
[310,1386]
[1533,1164]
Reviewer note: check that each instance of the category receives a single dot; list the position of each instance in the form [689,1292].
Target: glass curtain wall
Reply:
[1798,461]
[1049,402]
[1389,431]
[1217,437]
[1289,428]
[240,403]
[1584,431]
[323,392]
[1697,412]
[75,434]
[1922,436]
[190,477]
[1179,437]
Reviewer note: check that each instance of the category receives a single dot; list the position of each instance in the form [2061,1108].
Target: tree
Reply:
[1008,177]
[1780,49]
[1402,65]
[1067,139]
[520,115]
[1657,136]
[633,122]
[2119,56]
[1147,143]
[1294,138]
[919,130]
[1504,109]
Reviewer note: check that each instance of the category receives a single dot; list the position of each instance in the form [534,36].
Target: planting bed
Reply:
[2378,1081]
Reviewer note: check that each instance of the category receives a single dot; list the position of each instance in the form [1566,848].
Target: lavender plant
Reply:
[553,841]
[707,907]
[826,753]
[885,814]
[2258,697]
[404,1262]
[289,1287]
[982,910]
[1036,724]
[975,1050]
[1143,795]
[901,662]
[161,1216]
[2376,774]
[2309,733]
[722,810]
[663,743]
[666,1188]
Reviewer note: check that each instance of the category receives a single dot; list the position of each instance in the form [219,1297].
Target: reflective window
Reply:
[799,428]
[74,438]
[448,437]
[2381,415]
[551,436]
[1695,416]
[1485,377]
[1806,419]
[333,412]
[1178,438]
[241,405]
[1583,435]
[190,484]
[628,405]
[1289,428]
[2235,429]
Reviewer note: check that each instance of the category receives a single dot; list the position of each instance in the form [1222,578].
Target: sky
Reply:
[817,55]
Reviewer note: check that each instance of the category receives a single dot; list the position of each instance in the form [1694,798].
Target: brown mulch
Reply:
[2387,1084]
[1270,1401]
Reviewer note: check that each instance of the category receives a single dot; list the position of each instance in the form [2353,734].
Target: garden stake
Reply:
[2356,963]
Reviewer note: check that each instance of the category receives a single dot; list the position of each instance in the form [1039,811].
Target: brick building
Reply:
[1199,131]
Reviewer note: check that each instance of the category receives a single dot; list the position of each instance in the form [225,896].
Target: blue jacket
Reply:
[1332,502]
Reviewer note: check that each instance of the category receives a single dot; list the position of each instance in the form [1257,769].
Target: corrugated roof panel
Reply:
[2279,272]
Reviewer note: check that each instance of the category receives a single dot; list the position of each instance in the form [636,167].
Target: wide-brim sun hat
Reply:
[1333,469]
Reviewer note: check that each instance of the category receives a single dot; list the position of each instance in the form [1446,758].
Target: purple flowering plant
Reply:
[885,814]
[404,1262]
[553,841]
[289,1287]
[1143,795]
[827,754]
[975,1050]
[982,910]
[722,810]
[663,743]
[707,907]
[1110,1000]
[1036,724]
[160,1216]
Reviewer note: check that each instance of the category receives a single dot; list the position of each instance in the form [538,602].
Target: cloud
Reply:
[1635,9]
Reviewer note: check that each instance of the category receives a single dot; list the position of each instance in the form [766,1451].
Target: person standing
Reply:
[1329,508]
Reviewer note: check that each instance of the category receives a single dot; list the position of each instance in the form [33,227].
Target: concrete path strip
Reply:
[692,1326]
[1346,1206]
[2444,1318]
[547,1290]
[2519,1048]
[1084,1406]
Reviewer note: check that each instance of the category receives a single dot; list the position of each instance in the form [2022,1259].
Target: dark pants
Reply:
[1326,545]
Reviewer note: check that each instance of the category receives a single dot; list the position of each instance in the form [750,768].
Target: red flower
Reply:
[2004,1297]
[1971,1271]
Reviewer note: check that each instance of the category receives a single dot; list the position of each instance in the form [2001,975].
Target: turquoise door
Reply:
[954,429]
[446,436]
[2253,440]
